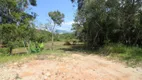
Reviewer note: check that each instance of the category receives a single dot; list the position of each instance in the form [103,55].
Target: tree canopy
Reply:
[98,22]
[16,25]
[57,17]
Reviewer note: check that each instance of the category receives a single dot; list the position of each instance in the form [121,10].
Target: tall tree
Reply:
[57,18]
[103,21]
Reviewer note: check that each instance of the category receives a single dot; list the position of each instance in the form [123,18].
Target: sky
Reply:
[64,6]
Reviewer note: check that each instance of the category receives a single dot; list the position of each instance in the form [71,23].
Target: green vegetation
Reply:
[42,36]
[130,54]
[15,26]
[13,58]
[4,50]
[45,54]
[98,22]
[65,37]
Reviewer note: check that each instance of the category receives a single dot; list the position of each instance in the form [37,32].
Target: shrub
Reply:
[67,43]
[4,50]
[41,46]
[36,47]
[118,48]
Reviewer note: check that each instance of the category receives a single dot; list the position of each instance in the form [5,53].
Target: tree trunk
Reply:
[29,48]
[53,36]
[136,40]
[52,41]
[25,47]
[10,50]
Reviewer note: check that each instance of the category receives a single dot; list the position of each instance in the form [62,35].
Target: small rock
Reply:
[56,73]
[62,76]
[45,77]
[17,76]
[43,73]
[15,64]
[48,74]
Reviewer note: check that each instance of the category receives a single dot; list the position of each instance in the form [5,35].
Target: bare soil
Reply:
[74,67]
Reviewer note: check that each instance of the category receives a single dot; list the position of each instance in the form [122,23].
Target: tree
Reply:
[101,21]
[57,18]
[15,23]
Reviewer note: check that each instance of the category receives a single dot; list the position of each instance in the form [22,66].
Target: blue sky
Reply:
[64,6]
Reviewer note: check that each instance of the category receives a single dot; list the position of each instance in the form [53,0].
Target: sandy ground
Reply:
[75,67]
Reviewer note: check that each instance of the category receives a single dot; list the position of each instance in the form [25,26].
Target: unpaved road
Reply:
[75,67]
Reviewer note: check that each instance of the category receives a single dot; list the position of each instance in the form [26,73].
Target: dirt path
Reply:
[75,67]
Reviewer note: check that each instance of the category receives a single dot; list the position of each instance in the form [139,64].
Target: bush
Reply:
[118,48]
[67,43]
[4,50]
[41,46]
[36,47]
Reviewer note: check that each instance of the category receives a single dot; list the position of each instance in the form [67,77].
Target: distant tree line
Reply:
[65,37]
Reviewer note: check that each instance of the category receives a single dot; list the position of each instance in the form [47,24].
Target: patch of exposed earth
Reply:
[75,67]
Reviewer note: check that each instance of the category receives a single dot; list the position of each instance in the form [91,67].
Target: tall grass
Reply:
[130,54]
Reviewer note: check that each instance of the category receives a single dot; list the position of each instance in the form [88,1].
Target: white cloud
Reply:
[68,23]
[65,26]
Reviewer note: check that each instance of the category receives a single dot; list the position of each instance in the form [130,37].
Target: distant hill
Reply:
[62,31]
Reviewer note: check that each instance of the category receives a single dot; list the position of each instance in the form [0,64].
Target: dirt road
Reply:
[75,67]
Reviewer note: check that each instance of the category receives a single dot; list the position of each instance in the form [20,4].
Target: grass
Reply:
[128,54]
[5,58]
[12,58]
[15,58]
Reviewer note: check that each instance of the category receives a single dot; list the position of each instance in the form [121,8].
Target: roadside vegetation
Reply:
[130,55]
[112,26]
[44,54]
